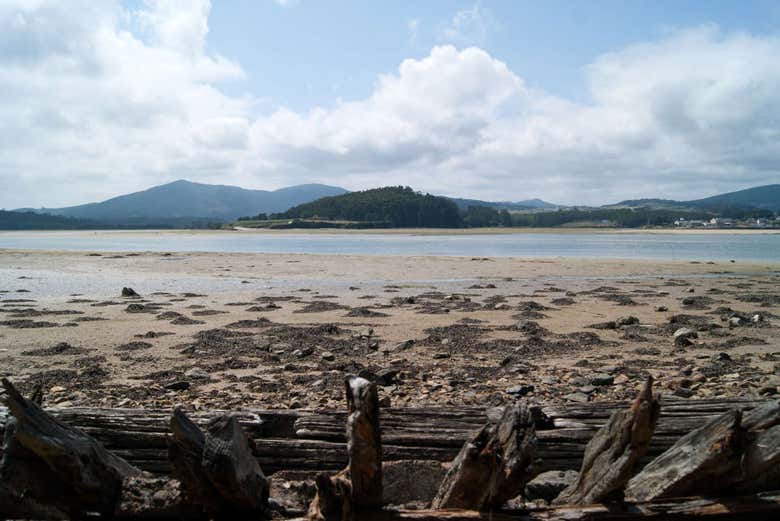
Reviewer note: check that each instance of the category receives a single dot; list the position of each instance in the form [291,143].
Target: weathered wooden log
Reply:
[48,464]
[217,469]
[314,440]
[730,454]
[358,488]
[613,453]
[492,467]
[700,461]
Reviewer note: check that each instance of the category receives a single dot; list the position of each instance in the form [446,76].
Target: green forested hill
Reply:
[394,206]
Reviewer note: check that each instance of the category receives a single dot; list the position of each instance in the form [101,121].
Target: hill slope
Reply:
[393,206]
[43,221]
[180,201]
[766,197]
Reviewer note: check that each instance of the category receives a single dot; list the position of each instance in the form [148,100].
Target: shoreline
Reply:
[404,231]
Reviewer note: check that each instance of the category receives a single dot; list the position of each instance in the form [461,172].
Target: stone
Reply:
[401,346]
[576,397]
[735,322]
[684,336]
[621,379]
[181,385]
[627,321]
[129,292]
[328,356]
[548,485]
[601,379]
[683,392]
[385,377]
[661,309]
[587,389]
[441,356]
[520,390]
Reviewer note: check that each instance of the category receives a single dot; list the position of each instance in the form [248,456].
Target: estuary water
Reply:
[704,246]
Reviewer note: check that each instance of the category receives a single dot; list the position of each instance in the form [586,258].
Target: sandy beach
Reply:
[225,329]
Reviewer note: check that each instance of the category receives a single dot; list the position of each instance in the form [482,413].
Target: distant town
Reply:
[727,223]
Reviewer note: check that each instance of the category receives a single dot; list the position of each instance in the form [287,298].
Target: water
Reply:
[764,247]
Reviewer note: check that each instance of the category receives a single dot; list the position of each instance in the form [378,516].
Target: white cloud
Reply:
[469,26]
[98,101]
[413,29]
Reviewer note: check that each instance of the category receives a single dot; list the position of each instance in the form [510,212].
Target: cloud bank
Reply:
[100,99]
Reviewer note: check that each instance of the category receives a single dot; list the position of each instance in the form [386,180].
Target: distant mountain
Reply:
[182,202]
[762,197]
[43,221]
[528,204]
[766,197]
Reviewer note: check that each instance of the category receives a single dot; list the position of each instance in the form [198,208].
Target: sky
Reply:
[572,102]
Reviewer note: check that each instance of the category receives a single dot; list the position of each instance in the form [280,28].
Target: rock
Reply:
[303,352]
[683,336]
[441,356]
[757,318]
[576,397]
[683,392]
[57,389]
[621,379]
[129,292]
[587,389]
[385,402]
[401,346]
[721,357]
[520,390]
[627,321]
[735,322]
[601,379]
[197,374]
[181,385]
[548,485]
[328,356]
[385,377]
[661,309]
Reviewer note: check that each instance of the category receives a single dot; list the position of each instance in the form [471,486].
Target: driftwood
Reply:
[49,469]
[315,440]
[700,460]
[216,468]
[492,467]
[727,454]
[613,453]
[358,488]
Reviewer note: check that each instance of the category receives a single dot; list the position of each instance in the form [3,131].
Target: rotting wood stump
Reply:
[493,466]
[48,466]
[358,488]
[216,468]
[613,453]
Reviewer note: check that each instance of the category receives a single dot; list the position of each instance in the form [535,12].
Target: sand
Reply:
[450,330]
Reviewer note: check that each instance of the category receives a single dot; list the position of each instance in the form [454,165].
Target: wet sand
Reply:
[264,330]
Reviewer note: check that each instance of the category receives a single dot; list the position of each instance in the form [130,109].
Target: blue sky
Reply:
[309,53]
[572,102]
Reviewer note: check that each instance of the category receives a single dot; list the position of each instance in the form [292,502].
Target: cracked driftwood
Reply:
[358,488]
[51,469]
[216,468]
[613,453]
[493,466]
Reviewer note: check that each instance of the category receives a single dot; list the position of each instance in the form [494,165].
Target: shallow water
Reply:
[663,246]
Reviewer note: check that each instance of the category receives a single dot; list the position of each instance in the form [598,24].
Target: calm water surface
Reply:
[669,246]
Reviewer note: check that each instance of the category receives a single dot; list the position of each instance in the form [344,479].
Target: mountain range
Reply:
[181,202]
[765,197]
[185,203]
